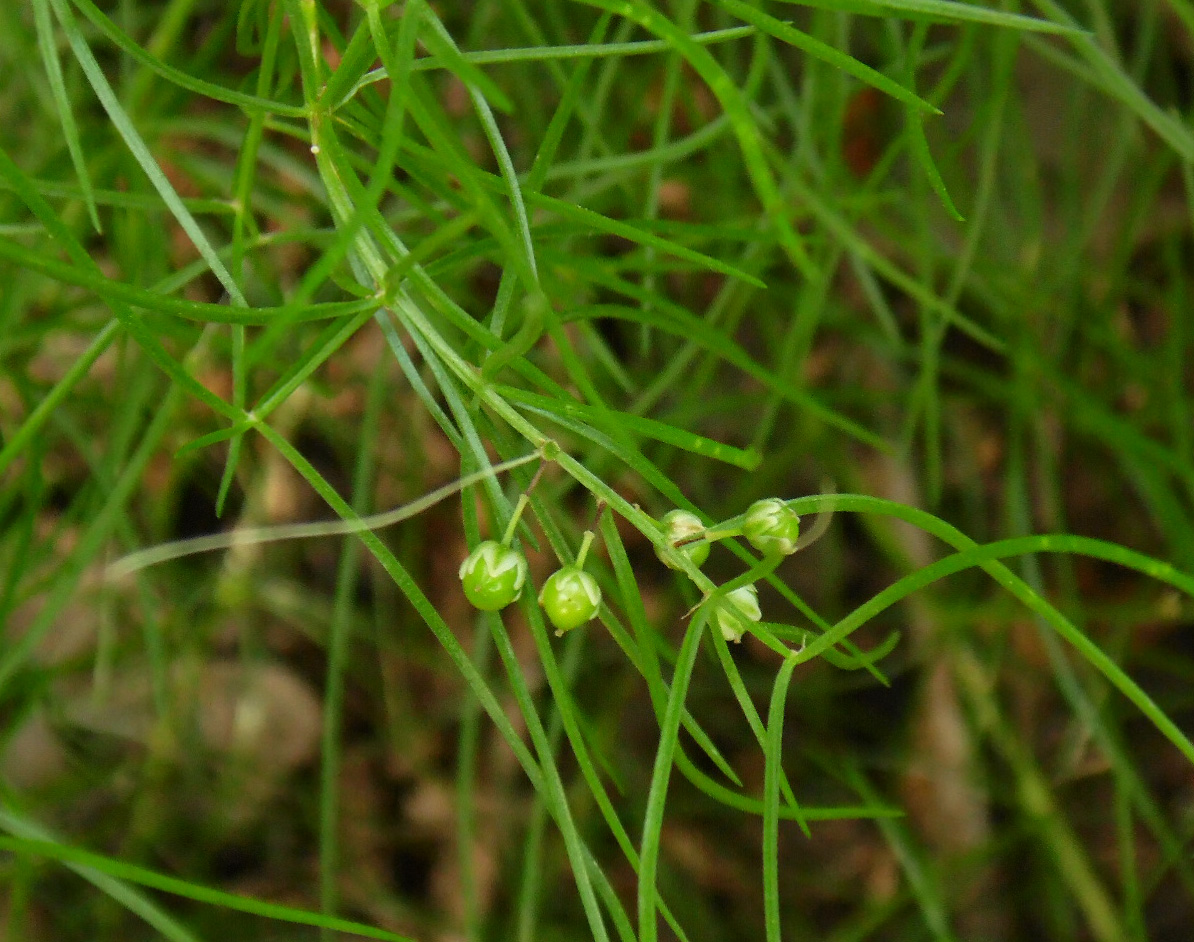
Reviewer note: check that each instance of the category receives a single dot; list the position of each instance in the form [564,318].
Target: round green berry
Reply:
[570,597]
[772,527]
[493,575]
[678,524]
[736,610]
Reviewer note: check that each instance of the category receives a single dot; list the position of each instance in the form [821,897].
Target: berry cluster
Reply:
[770,526]
[494,573]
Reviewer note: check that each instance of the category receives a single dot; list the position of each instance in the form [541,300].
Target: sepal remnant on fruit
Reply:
[492,575]
[772,527]
[734,612]
[678,524]
[570,597]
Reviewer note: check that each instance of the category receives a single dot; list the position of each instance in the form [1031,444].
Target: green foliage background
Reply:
[922,264]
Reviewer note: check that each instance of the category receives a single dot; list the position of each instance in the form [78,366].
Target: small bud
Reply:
[570,597]
[772,527]
[735,610]
[678,524]
[493,575]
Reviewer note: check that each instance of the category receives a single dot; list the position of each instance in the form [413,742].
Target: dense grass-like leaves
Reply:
[582,264]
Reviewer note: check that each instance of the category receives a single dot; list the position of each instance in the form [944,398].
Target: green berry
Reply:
[493,575]
[570,597]
[772,527]
[678,524]
[735,611]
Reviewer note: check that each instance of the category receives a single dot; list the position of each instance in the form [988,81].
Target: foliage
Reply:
[267,260]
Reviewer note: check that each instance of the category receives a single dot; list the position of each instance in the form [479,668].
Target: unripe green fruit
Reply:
[570,597]
[493,575]
[736,610]
[678,524]
[772,527]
